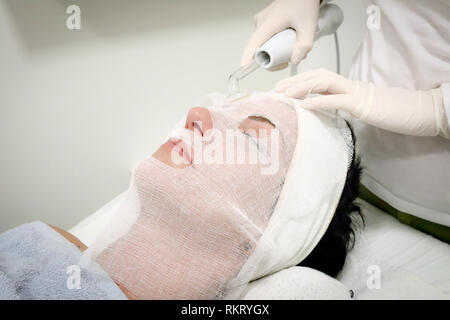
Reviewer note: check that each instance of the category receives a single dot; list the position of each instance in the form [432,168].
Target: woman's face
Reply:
[205,201]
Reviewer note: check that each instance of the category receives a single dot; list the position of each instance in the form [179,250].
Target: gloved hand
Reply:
[300,15]
[418,113]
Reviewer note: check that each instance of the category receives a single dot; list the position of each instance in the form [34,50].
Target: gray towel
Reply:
[36,262]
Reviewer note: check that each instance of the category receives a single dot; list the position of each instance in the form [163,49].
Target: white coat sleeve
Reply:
[445,88]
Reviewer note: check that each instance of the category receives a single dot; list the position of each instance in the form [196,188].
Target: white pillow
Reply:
[296,283]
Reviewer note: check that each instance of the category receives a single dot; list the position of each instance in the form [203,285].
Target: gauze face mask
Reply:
[189,231]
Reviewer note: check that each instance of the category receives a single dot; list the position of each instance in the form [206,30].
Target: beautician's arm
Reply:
[409,112]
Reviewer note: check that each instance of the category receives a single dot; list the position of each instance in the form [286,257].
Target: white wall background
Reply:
[79,108]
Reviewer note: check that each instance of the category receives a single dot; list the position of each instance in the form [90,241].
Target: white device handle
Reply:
[278,49]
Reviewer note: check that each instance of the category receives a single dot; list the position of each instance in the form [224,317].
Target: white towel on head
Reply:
[310,194]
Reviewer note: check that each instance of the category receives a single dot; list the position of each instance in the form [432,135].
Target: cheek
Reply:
[162,155]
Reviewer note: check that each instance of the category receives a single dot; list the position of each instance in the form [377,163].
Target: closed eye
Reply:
[257,124]
[262,119]
[257,128]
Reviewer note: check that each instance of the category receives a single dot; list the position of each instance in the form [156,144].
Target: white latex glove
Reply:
[418,113]
[300,15]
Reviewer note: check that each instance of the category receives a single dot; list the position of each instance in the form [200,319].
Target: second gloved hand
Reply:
[418,113]
[300,15]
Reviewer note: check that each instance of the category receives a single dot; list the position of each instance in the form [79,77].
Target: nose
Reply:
[199,118]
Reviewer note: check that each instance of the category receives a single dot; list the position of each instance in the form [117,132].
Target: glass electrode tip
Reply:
[239,74]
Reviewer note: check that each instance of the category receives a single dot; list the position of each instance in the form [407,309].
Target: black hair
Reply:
[329,254]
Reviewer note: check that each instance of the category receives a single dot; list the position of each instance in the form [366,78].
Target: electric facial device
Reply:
[278,49]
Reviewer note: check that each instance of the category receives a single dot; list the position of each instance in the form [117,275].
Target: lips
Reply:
[179,146]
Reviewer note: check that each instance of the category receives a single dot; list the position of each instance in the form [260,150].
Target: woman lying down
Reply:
[240,192]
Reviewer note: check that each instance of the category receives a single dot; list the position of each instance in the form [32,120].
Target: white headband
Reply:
[310,194]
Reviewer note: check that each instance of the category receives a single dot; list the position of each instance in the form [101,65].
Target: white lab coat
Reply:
[410,50]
